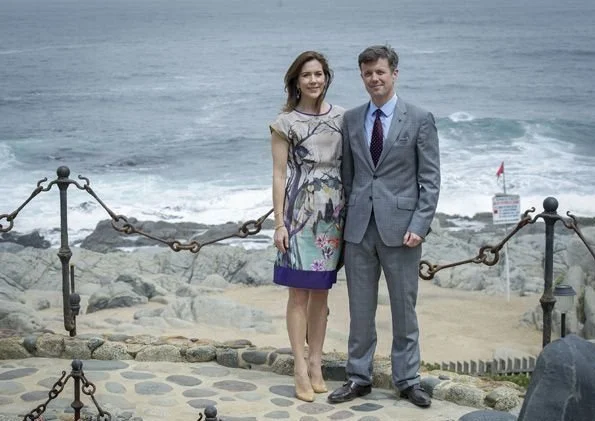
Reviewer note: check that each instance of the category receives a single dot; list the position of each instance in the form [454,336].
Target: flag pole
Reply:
[506,262]
[504,179]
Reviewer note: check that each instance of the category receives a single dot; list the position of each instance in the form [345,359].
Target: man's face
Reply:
[379,80]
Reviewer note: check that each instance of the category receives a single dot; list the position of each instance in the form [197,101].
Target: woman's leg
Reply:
[297,319]
[317,319]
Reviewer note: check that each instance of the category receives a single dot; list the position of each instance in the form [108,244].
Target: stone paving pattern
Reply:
[157,390]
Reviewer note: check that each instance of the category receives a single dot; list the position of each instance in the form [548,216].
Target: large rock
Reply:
[105,238]
[562,387]
[12,348]
[578,255]
[19,317]
[525,259]
[41,269]
[29,269]
[589,313]
[235,264]
[581,276]
[141,287]
[33,239]
[218,311]
[112,296]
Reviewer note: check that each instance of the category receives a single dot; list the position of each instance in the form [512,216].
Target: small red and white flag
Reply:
[500,170]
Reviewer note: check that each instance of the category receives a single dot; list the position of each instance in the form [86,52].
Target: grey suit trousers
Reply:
[363,264]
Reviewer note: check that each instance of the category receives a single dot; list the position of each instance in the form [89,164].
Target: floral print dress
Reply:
[313,210]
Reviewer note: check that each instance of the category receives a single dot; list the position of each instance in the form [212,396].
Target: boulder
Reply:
[32,239]
[217,311]
[139,286]
[112,296]
[562,386]
[19,317]
[589,313]
[105,238]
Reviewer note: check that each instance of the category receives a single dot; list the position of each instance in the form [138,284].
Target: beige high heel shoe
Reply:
[303,395]
[318,387]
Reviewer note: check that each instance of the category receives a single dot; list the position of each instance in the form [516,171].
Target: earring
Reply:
[298,93]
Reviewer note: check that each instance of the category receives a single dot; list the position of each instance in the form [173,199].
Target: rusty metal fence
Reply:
[71,300]
[84,386]
[488,255]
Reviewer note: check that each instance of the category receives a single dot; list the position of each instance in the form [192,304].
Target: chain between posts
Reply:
[82,384]
[87,388]
[121,223]
[489,255]
[71,299]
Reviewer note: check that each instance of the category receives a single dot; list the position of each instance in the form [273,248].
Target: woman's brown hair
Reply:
[293,74]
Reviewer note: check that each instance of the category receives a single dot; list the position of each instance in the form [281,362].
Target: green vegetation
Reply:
[518,379]
[430,366]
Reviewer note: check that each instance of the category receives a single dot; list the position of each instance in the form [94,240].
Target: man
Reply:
[391,175]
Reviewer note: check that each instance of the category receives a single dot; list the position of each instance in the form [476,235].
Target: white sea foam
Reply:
[211,203]
[7,158]
[149,198]
[461,116]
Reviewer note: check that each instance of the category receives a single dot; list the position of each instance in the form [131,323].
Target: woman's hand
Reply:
[281,239]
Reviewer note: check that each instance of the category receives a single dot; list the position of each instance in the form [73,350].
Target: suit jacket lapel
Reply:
[396,125]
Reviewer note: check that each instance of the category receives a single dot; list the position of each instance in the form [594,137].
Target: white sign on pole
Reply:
[506,208]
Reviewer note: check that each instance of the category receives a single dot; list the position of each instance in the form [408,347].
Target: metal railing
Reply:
[490,255]
[82,384]
[70,299]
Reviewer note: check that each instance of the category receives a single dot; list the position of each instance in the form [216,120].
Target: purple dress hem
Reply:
[304,279]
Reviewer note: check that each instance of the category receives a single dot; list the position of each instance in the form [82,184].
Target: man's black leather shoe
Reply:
[417,396]
[348,392]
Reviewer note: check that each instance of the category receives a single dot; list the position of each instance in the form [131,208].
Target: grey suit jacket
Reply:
[403,188]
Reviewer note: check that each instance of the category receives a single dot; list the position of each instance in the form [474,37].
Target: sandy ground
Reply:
[455,325]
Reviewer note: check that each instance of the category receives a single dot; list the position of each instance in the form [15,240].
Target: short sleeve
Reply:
[280,126]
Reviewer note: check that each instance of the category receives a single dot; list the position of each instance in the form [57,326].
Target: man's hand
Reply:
[411,239]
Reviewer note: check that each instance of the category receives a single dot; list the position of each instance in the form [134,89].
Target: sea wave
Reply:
[45,48]
[144,198]
[7,158]
[461,116]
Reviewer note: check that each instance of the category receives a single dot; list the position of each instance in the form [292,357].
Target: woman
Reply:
[308,207]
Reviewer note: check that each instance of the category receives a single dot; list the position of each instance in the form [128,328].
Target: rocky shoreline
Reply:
[115,278]
[113,271]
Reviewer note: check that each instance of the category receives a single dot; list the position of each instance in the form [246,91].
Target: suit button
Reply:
[370,197]
[375,177]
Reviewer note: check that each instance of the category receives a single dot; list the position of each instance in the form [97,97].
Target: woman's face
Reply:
[311,80]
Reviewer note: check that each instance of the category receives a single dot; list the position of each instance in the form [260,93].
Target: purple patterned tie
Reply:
[376,141]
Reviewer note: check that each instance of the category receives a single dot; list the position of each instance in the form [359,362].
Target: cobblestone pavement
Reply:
[181,391]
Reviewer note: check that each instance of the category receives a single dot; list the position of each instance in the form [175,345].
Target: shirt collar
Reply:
[387,109]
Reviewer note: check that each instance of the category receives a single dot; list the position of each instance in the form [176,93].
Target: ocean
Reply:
[165,104]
